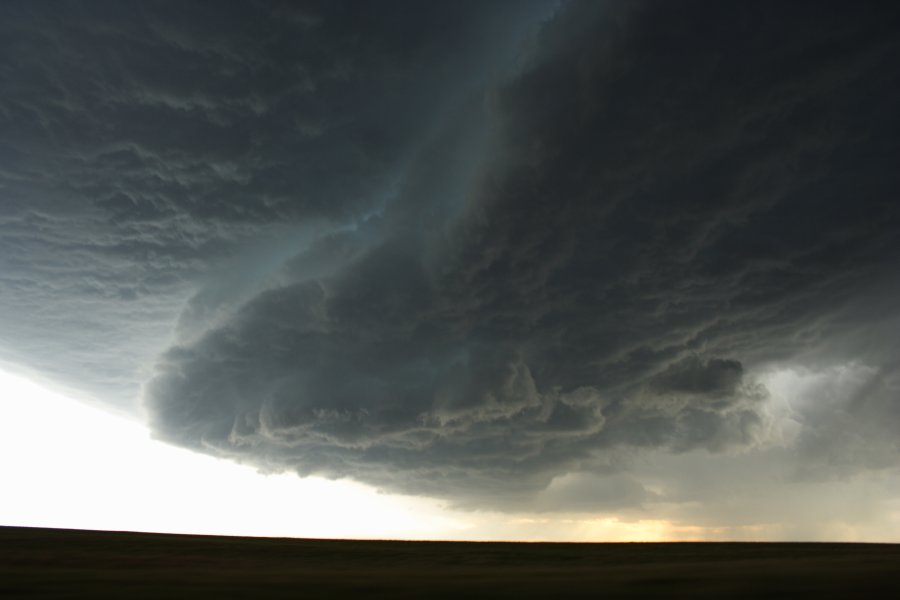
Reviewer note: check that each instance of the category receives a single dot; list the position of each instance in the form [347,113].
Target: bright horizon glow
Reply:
[72,466]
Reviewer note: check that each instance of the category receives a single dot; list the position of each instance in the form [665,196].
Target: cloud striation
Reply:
[464,250]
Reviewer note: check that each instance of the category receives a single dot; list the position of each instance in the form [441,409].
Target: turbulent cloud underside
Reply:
[466,250]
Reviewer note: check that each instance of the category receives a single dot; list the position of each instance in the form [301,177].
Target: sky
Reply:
[568,270]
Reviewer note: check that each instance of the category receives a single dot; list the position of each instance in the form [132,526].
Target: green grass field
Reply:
[49,563]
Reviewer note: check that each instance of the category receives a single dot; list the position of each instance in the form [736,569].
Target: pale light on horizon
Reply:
[72,466]
[68,465]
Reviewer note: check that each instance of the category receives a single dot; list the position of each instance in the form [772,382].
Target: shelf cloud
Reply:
[493,252]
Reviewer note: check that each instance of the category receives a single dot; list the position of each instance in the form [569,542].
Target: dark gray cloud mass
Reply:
[459,249]
[143,146]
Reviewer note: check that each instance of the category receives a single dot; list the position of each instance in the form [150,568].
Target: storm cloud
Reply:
[488,252]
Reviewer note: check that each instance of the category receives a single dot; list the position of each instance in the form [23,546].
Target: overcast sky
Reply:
[634,261]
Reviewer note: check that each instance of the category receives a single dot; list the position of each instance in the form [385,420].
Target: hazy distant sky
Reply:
[610,259]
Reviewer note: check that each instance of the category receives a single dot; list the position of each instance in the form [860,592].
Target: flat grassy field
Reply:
[50,563]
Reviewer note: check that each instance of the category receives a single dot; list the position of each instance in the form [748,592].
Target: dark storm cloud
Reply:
[249,113]
[425,249]
[149,149]
[677,191]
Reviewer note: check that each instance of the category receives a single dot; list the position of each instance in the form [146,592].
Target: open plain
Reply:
[49,563]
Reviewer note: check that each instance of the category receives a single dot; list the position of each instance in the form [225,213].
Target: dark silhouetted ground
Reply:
[49,563]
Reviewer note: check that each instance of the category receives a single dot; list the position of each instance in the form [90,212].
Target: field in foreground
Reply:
[49,563]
